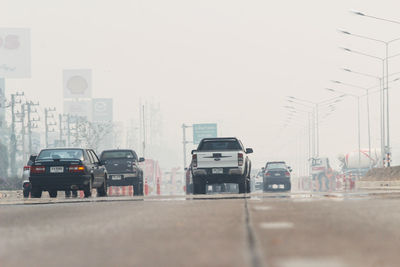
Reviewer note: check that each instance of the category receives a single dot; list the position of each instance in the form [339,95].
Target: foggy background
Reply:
[229,62]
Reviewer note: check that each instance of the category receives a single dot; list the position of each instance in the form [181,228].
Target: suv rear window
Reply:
[277,165]
[219,145]
[60,154]
[117,155]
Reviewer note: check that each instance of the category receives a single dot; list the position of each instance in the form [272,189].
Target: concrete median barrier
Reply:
[380,178]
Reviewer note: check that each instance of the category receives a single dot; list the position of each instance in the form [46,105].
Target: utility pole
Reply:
[184,126]
[69,129]
[13,138]
[31,123]
[22,114]
[60,124]
[144,131]
[48,124]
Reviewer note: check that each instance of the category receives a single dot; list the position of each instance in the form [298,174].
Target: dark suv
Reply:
[67,169]
[123,168]
[276,176]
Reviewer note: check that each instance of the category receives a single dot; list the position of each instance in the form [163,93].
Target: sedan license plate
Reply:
[58,169]
[277,174]
[116,177]
[217,171]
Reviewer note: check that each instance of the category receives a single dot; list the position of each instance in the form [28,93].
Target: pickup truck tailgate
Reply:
[217,159]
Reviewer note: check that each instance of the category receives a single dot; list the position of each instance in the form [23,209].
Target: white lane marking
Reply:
[165,199]
[261,208]
[312,263]
[276,225]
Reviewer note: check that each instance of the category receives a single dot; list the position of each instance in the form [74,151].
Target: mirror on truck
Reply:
[141,159]
[193,151]
[249,150]
[290,169]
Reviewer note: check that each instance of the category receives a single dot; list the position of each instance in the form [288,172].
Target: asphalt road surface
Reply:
[271,229]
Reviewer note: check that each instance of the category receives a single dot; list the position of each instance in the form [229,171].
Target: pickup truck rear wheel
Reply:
[242,186]
[199,188]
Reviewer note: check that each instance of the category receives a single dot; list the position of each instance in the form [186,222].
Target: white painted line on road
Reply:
[166,199]
[276,225]
[261,208]
[311,263]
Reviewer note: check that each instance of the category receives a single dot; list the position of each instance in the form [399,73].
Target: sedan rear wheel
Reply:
[102,191]
[53,193]
[88,189]
[36,192]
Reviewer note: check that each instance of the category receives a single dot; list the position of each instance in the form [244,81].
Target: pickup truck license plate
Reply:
[58,169]
[217,171]
[116,177]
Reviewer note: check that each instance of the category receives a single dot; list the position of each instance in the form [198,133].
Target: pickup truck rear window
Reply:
[219,145]
[117,155]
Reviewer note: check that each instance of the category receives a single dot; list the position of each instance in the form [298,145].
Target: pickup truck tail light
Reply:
[27,168]
[240,159]
[287,174]
[38,169]
[267,174]
[76,168]
[194,161]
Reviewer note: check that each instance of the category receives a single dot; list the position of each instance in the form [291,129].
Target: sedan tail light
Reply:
[267,174]
[76,168]
[287,174]
[27,168]
[38,169]
[194,161]
[240,159]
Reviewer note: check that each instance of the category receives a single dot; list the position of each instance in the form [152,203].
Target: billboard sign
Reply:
[15,53]
[204,130]
[77,83]
[78,108]
[102,109]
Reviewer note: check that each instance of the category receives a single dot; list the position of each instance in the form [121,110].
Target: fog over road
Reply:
[274,229]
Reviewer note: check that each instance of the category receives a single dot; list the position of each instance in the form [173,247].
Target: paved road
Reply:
[274,229]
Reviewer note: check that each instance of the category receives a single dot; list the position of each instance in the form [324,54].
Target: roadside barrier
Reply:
[120,190]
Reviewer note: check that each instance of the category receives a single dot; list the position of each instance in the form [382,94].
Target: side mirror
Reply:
[290,169]
[194,150]
[249,150]
[102,162]
[141,159]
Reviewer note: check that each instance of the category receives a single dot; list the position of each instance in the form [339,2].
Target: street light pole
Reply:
[386,43]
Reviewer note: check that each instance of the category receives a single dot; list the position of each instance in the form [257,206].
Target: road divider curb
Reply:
[378,184]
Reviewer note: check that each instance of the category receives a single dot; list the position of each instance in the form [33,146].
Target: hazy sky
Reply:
[230,62]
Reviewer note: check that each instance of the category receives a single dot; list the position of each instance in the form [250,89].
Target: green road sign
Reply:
[204,130]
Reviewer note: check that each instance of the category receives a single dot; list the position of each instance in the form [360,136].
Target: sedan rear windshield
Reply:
[117,155]
[219,145]
[60,154]
[276,166]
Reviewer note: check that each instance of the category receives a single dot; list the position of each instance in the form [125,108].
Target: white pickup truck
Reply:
[221,160]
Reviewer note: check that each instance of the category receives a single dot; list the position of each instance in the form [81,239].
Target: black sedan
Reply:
[67,169]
